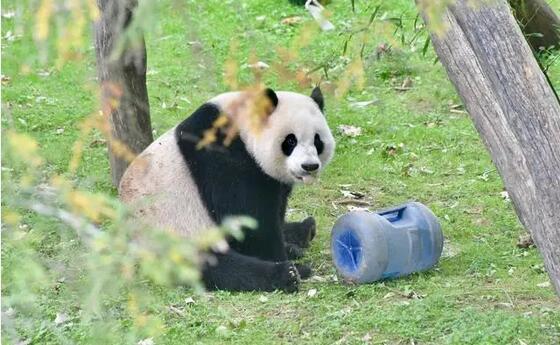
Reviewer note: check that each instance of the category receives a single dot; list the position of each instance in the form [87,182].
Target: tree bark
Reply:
[514,110]
[538,22]
[121,60]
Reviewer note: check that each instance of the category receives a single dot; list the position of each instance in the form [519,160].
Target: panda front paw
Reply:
[301,233]
[287,277]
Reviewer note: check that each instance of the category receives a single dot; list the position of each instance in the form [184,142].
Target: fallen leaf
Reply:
[363,104]
[147,341]
[257,65]
[350,131]
[9,312]
[457,109]
[97,142]
[505,196]
[433,124]
[8,14]
[389,295]
[353,208]
[484,176]
[237,323]
[352,202]
[263,299]
[292,20]
[353,195]
[9,36]
[475,210]
[505,305]
[407,83]
[5,79]
[223,331]
[176,310]
[60,318]
[525,241]
[44,73]
[390,151]
[311,293]
[426,171]
[414,295]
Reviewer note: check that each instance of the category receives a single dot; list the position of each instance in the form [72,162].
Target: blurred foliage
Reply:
[111,256]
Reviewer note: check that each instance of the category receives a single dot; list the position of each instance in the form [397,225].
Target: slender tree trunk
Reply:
[121,60]
[514,110]
[538,22]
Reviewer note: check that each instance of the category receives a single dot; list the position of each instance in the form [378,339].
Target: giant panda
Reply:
[193,188]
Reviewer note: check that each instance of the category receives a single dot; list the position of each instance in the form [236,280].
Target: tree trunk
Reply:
[121,61]
[514,110]
[538,22]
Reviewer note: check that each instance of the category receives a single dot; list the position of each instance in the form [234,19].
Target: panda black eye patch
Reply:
[289,144]
[319,145]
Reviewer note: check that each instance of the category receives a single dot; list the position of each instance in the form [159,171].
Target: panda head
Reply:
[295,143]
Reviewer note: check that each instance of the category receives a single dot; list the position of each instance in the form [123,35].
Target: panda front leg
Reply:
[238,272]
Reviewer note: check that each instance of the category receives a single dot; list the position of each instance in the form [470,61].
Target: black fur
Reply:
[289,144]
[272,97]
[317,96]
[231,183]
[319,145]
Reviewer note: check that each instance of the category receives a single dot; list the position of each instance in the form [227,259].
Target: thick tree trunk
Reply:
[121,61]
[515,111]
[538,22]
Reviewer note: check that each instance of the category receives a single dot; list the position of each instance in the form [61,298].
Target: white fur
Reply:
[160,188]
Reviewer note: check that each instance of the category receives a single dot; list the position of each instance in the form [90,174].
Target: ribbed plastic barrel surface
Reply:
[369,246]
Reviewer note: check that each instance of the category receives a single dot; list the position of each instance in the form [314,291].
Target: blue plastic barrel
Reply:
[390,243]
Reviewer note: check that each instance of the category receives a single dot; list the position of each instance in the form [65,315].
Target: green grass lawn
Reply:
[414,145]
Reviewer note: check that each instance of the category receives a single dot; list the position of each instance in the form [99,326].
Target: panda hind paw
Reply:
[304,271]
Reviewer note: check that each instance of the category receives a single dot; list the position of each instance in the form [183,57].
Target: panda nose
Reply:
[310,167]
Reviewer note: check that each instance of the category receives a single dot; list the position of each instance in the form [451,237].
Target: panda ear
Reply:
[272,97]
[317,96]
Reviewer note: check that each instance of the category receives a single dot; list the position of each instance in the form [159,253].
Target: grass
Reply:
[484,290]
